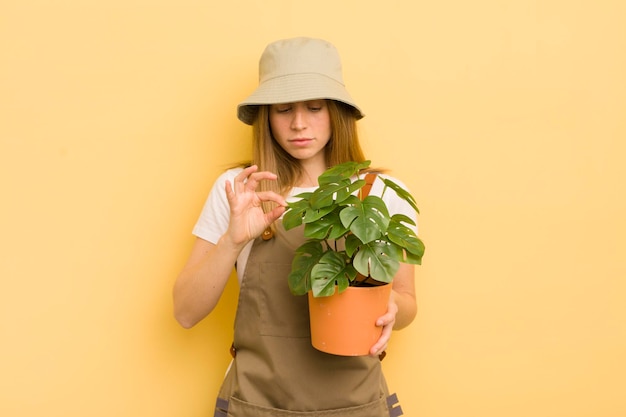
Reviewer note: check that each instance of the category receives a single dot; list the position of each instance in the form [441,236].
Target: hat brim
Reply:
[293,88]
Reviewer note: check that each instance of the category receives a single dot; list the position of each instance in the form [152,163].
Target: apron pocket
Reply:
[239,408]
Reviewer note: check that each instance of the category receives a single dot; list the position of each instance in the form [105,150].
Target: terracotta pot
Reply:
[345,324]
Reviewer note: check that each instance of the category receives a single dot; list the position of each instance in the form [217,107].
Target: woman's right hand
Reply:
[247,219]
[204,276]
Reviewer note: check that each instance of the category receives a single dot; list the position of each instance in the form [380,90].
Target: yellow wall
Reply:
[505,117]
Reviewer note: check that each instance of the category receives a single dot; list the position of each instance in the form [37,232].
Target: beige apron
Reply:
[275,370]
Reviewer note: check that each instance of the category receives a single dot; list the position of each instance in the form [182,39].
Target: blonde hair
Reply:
[343,146]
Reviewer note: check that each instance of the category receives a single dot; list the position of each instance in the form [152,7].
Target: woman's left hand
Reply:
[385,321]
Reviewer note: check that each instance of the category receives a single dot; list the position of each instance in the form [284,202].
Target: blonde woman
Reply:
[303,121]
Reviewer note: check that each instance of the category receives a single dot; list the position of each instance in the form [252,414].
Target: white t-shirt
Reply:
[214,219]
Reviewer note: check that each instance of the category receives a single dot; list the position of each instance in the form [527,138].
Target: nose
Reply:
[298,121]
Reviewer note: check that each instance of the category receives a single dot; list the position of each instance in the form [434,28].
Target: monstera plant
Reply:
[351,240]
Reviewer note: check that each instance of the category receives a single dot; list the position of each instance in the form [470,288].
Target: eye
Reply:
[282,109]
[315,106]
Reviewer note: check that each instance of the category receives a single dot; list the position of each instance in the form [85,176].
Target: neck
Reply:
[311,169]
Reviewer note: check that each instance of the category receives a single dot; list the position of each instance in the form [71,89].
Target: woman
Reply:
[303,121]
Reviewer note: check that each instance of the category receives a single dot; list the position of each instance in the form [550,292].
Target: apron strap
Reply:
[394,408]
[221,407]
[369,181]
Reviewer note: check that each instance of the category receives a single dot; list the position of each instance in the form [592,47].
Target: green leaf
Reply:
[312,215]
[344,170]
[352,244]
[326,179]
[402,193]
[328,227]
[368,219]
[345,195]
[337,229]
[332,270]
[413,259]
[377,204]
[318,229]
[335,193]
[394,251]
[400,254]
[294,214]
[404,237]
[374,260]
[305,259]
[325,195]
[349,200]
[401,218]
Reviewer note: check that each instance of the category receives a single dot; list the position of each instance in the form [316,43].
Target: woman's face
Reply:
[302,129]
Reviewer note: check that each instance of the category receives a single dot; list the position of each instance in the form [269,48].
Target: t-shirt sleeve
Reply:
[215,215]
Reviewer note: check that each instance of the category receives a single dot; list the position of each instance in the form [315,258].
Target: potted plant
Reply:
[352,242]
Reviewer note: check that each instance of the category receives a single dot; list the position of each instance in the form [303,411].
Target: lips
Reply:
[300,141]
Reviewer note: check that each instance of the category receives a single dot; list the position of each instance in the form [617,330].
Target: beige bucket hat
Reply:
[297,69]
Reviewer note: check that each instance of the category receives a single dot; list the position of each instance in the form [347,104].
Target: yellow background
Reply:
[506,118]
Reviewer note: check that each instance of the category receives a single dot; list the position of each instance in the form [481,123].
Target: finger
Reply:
[385,319]
[247,171]
[275,214]
[382,342]
[241,178]
[378,348]
[254,179]
[390,315]
[272,196]
[230,193]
